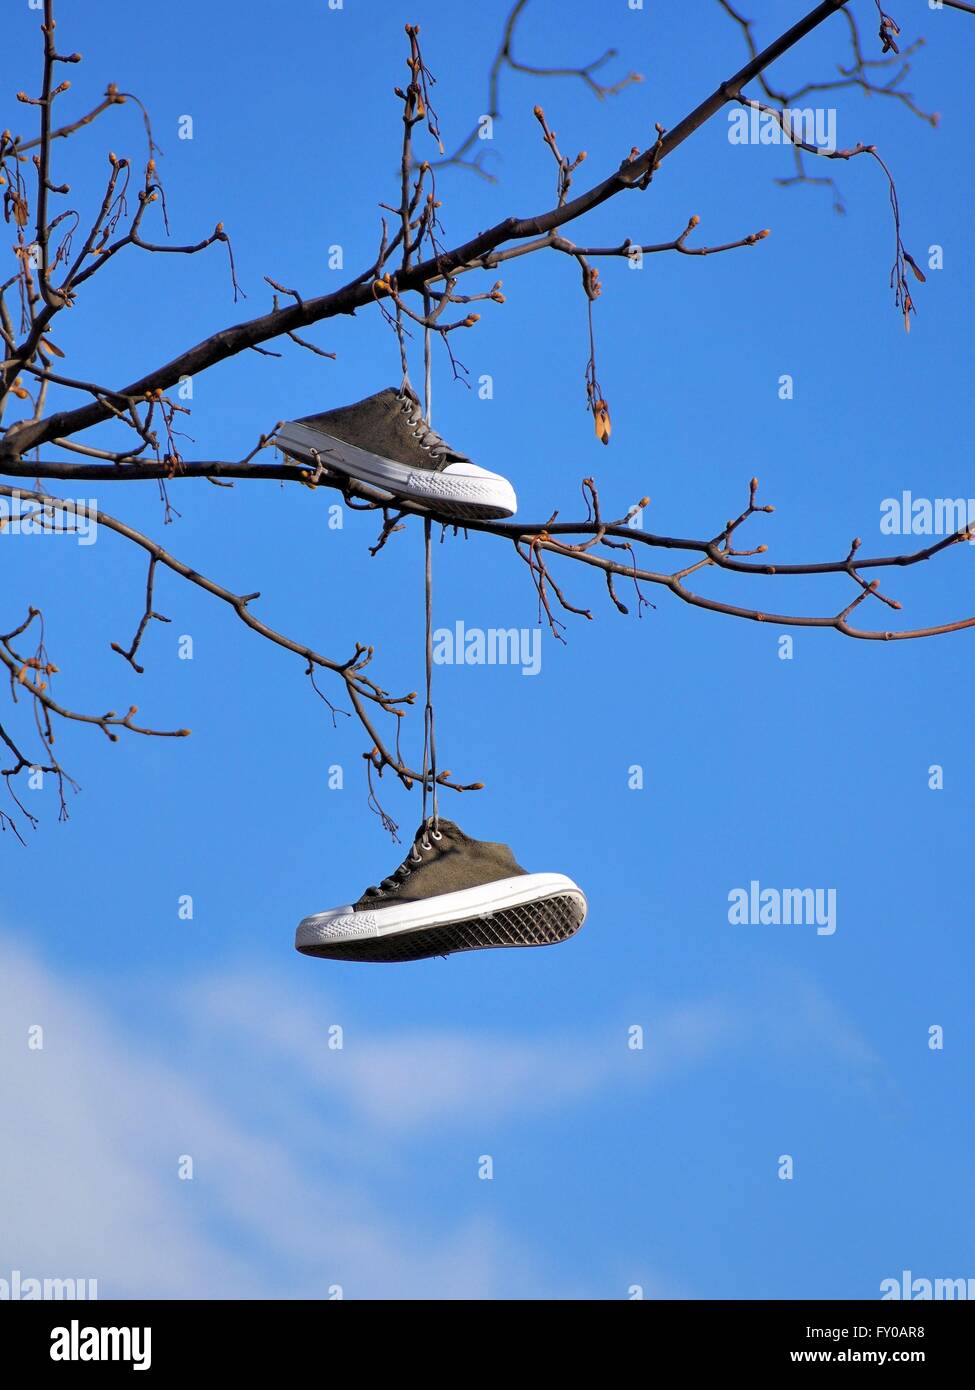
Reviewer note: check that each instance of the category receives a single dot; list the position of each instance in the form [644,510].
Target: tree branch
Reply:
[633,173]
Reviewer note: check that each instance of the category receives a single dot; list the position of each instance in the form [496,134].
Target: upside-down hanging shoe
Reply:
[384,442]
[451,893]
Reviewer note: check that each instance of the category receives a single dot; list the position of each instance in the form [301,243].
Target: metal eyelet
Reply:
[436,835]
[425,844]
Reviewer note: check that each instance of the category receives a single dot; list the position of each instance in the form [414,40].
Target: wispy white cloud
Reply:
[94,1128]
[406,1081]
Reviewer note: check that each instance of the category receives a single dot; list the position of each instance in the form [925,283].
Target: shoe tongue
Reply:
[444,827]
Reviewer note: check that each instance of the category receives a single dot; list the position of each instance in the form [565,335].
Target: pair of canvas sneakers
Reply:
[451,893]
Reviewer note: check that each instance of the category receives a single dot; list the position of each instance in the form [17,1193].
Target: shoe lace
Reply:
[426,437]
[421,845]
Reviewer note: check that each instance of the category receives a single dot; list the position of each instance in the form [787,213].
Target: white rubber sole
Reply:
[526,910]
[460,490]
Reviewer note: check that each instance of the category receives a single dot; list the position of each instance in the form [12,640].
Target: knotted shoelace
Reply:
[420,845]
[426,437]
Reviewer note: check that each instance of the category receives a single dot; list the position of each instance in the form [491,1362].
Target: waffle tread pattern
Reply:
[543,923]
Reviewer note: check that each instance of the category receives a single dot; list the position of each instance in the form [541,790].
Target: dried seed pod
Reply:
[600,412]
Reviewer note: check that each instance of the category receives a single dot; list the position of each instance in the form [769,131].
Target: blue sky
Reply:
[315,1167]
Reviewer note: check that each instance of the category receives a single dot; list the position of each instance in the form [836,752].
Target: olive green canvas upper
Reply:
[445,865]
[381,425]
